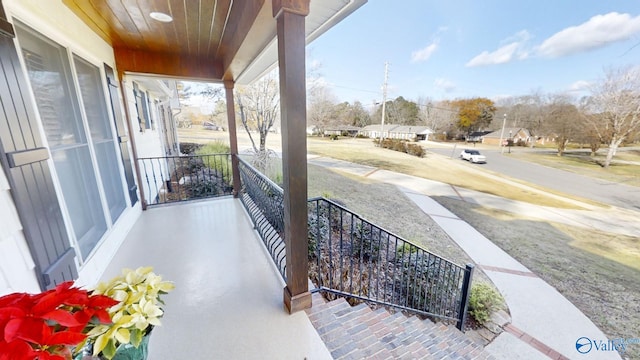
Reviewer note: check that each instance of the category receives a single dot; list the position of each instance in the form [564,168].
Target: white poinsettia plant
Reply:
[139,309]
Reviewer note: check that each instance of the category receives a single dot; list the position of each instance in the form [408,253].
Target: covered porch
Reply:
[228,298]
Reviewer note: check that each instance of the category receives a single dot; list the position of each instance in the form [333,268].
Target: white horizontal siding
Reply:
[16,264]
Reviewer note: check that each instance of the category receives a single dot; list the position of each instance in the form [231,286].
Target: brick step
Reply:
[358,332]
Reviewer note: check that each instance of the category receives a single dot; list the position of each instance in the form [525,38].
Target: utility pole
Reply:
[504,120]
[384,98]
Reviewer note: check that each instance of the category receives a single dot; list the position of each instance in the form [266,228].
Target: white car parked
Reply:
[473,155]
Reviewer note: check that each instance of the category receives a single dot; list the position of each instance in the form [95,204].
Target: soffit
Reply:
[207,39]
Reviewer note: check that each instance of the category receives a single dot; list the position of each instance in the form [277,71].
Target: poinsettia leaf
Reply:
[7,314]
[61,317]
[29,329]
[100,343]
[11,299]
[102,301]
[110,350]
[65,338]
[16,350]
[45,355]
[136,337]
[83,316]
[48,303]
[42,355]
[102,317]
[77,297]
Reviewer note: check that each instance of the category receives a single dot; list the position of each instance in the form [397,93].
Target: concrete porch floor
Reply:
[228,298]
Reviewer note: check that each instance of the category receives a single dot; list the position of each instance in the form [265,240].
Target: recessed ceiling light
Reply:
[162,17]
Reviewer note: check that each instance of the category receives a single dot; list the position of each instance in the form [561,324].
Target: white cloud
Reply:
[599,31]
[580,85]
[444,84]
[514,49]
[424,54]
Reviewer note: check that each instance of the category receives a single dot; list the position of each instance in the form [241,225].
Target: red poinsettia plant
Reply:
[45,326]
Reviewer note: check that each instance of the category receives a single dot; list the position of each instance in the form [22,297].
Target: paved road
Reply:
[607,192]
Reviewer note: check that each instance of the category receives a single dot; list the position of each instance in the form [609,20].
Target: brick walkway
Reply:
[361,333]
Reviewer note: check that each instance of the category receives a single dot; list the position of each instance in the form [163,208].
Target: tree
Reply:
[358,116]
[438,116]
[474,114]
[614,107]
[321,110]
[259,109]
[187,90]
[526,111]
[351,114]
[218,115]
[399,111]
[563,119]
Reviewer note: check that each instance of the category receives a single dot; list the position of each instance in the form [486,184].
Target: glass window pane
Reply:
[49,72]
[110,175]
[95,108]
[93,99]
[78,183]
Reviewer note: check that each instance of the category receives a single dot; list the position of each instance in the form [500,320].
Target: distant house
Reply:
[312,130]
[393,131]
[477,136]
[518,135]
[344,130]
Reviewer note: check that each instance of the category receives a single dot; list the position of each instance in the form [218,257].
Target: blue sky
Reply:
[490,48]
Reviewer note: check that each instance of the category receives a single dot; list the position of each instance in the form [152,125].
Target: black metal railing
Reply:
[353,258]
[263,200]
[170,179]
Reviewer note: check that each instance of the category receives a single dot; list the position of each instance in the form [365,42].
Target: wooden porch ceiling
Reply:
[208,39]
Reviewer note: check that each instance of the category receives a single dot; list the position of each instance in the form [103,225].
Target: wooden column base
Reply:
[295,303]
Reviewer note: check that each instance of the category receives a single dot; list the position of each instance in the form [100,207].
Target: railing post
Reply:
[233,136]
[464,299]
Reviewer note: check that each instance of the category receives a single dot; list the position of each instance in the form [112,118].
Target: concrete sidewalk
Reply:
[544,323]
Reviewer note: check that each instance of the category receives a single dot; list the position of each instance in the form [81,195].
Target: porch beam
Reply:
[290,17]
[233,136]
[167,65]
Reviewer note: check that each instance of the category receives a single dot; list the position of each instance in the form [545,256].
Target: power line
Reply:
[356,89]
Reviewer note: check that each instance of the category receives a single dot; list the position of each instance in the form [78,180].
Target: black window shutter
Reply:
[116,109]
[24,160]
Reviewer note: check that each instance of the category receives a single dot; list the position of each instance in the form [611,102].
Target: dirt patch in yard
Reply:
[605,288]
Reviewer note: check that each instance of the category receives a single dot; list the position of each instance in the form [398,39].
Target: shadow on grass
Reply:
[607,291]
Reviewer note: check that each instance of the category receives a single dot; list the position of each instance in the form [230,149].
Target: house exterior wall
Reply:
[492,140]
[58,23]
[16,264]
[148,143]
